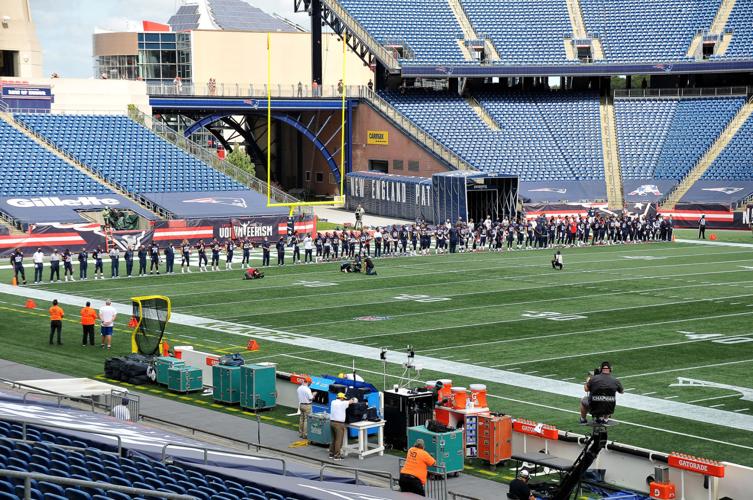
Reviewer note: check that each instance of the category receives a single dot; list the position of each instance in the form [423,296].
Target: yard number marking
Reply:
[314,284]
[421,298]
[553,316]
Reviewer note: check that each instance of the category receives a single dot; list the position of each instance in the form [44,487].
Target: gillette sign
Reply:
[57,201]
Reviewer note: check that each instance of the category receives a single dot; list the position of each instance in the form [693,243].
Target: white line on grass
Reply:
[736,395]
[717,406]
[741,410]
[696,367]
[649,393]
[716,243]
[670,397]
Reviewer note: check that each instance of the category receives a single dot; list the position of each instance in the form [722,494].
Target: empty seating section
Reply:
[523,31]
[92,464]
[427,27]
[127,154]
[647,30]
[27,169]
[740,22]
[735,163]
[665,138]
[543,136]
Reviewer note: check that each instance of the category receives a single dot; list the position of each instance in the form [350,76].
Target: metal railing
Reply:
[259,91]
[412,129]
[26,423]
[689,92]
[356,472]
[355,28]
[29,476]
[206,451]
[208,156]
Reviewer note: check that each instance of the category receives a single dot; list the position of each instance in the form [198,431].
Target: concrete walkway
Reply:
[227,430]
[341,216]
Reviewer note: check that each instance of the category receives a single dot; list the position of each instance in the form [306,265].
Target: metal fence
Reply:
[436,482]
[690,92]
[116,397]
[257,90]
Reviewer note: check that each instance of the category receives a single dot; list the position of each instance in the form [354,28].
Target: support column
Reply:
[316,42]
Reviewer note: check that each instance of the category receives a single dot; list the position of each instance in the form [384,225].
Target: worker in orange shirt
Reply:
[56,320]
[88,319]
[414,471]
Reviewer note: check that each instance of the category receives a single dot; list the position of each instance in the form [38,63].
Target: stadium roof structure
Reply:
[229,15]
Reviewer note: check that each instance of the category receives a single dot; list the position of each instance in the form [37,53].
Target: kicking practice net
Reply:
[150,316]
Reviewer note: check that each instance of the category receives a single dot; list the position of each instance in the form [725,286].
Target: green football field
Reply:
[673,319]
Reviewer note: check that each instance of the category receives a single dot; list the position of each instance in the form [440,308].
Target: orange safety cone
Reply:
[712,237]
[30,304]
[133,323]
[165,348]
[14,281]
[252,345]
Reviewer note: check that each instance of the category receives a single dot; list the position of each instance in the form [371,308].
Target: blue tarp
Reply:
[215,204]
[39,209]
[726,192]
[561,191]
[646,190]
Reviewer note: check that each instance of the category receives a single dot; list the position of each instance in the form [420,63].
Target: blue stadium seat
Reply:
[735,163]
[74,494]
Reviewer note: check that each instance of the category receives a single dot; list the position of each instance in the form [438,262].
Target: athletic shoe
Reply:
[583,421]
[338,459]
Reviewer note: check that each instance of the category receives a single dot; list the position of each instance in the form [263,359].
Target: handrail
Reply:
[688,92]
[361,33]
[260,90]
[407,124]
[207,451]
[3,106]
[28,476]
[356,470]
[25,423]
[208,157]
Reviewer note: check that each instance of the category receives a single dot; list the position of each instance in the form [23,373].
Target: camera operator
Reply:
[601,380]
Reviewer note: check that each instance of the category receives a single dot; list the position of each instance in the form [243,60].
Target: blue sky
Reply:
[65,33]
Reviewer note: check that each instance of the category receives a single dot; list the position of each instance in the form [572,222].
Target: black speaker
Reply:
[404,409]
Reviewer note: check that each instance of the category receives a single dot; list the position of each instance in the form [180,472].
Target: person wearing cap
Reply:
[107,315]
[56,321]
[88,319]
[305,398]
[121,411]
[599,382]
[337,424]
[519,489]
[415,469]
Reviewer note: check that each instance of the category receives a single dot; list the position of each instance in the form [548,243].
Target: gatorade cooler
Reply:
[459,398]
[664,491]
[446,391]
[478,395]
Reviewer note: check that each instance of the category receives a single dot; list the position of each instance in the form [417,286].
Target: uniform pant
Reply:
[280,259]
[702,232]
[142,266]
[308,257]
[265,259]
[56,326]
[296,255]
[114,268]
[338,435]
[303,419]
[55,271]
[38,271]
[411,484]
[88,334]
[98,267]
[19,269]
[68,269]
[82,268]
[154,266]
[129,267]
[202,258]
[169,264]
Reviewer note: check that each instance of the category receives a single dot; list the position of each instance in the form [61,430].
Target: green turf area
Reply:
[658,312]
[721,235]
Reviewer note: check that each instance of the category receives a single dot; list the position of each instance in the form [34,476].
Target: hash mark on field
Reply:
[213,341]
[670,397]
[741,409]
[534,371]
[569,378]
[461,360]
[512,369]
[649,393]
[550,375]
[717,406]
[630,389]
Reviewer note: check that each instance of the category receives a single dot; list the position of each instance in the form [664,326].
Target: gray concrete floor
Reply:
[225,430]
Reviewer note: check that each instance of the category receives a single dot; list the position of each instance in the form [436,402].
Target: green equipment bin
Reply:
[164,363]
[318,429]
[227,383]
[258,387]
[184,379]
[447,448]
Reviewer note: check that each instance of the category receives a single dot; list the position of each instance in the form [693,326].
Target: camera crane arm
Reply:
[595,443]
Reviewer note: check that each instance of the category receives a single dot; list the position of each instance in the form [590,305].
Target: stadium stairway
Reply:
[38,139]
[482,113]
[419,135]
[470,33]
[579,31]
[708,157]
[609,144]
[718,27]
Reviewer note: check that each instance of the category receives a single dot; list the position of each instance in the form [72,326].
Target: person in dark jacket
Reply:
[280,252]
[142,260]
[128,256]
[83,263]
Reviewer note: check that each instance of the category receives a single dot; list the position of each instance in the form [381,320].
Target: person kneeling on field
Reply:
[557,262]
[252,274]
[369,267]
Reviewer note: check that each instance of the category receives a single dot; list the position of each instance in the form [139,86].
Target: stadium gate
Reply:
[447,195]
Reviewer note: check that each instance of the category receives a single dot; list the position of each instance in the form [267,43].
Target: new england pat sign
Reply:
[24,92]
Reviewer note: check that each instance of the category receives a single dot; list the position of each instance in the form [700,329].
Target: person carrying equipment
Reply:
[252,273]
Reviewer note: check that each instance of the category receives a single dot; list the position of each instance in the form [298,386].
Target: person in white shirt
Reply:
[308,247]
[38,265]
[557,262]
[107,315]
[305,398]
[54,266]
[337,424]
[121,411]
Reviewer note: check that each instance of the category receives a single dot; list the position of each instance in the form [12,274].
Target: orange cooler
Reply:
[446,391]
[459,397]
[478,395]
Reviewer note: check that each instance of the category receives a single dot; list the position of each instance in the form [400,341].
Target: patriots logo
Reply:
[725,190]
[646,189]
[251,102]
[548,190]
[218,200]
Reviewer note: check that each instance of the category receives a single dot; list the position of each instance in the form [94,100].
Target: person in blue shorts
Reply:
[107,315]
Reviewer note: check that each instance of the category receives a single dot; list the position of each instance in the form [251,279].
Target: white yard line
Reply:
[696,367]
[716,243]
[736,395]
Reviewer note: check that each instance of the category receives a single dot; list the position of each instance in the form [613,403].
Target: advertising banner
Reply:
[215,204]
[647,190]
[65,208]
[561,191]
[727,192]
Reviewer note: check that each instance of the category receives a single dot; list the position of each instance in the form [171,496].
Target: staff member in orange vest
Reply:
[88,319]
[56,320]
[414,471]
